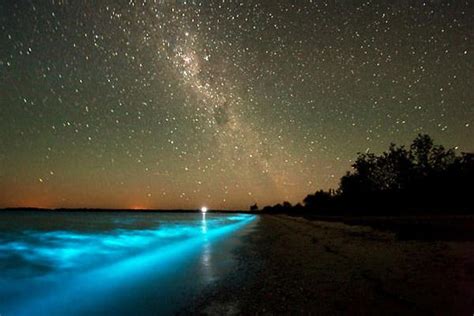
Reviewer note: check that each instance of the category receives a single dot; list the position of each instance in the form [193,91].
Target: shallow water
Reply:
[120,263]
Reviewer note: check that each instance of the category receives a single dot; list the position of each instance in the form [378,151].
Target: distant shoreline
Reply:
[106,210]
[309,214]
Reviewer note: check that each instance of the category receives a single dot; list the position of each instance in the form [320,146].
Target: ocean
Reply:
[76,263]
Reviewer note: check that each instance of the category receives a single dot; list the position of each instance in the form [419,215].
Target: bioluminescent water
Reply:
[114,263]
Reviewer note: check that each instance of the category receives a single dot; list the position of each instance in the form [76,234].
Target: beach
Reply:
[292,265]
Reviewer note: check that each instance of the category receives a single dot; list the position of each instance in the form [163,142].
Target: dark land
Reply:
[292,265]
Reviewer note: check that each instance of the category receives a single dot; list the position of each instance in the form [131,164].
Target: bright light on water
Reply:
[113,268]
[203,209]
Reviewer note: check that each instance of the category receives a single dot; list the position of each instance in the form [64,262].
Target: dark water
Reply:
[114,263]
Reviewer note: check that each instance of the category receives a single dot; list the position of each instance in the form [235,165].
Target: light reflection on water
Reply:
[145,258]
[206,262]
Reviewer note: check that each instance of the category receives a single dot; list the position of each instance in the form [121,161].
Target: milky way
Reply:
[179,104]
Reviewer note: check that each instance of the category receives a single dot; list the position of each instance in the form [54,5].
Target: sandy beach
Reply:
[291,265]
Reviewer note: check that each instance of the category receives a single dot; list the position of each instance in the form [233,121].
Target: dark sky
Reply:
[168,104]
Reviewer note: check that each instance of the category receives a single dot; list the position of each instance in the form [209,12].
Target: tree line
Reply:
[423,178]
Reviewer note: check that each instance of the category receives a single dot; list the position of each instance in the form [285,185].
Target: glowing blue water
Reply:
[90,263]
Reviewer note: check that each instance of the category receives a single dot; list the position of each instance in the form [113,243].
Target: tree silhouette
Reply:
[254,208]
[424,178]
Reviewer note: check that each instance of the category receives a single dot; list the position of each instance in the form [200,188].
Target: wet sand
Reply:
[291,265]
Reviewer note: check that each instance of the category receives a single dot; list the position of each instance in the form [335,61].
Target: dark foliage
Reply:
[425,178]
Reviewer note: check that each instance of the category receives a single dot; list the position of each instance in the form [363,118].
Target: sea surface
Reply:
[78,263]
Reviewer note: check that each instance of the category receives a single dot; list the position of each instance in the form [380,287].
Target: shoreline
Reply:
[295,265]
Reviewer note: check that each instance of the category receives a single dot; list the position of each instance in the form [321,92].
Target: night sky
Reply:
[179,104]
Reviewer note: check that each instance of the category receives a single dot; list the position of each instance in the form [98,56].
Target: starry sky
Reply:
[179,104]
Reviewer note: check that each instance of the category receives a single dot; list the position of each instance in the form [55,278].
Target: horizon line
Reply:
[92,209]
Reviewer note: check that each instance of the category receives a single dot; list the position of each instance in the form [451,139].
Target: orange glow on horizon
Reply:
[138,208]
